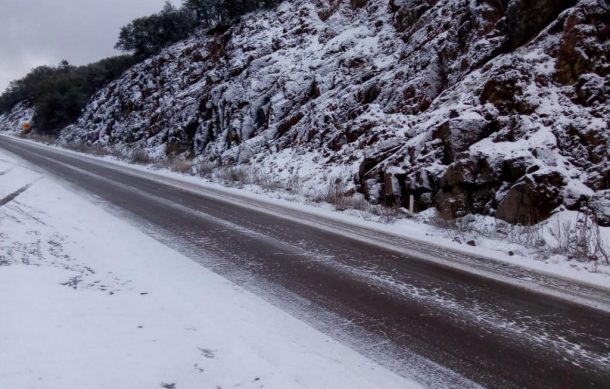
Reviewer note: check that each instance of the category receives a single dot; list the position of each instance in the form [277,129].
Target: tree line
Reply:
[59,93]
[146,36]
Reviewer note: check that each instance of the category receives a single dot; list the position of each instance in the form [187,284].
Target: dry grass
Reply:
[140,156]
[294,185]
[37,137]
[335,193]
[87,149]
[117,152]
[381,213]
[246,175]
[238,175]
[530,236]
[581,240]
[205,169]
[183,166]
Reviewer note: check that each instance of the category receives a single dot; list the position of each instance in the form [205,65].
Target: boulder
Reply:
[452,203]
[459,134]
[506,90]
[407,12]
[515,168]
[599,177]
[590,89]
[583,48]
[532,199]
[600,206]
[527,17]
[468,171]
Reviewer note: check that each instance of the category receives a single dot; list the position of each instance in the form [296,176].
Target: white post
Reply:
[411,205]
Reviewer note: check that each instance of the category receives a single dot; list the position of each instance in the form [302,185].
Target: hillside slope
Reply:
[12,121]
[498,107]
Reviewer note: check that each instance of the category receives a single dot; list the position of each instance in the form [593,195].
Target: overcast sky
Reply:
[43,32]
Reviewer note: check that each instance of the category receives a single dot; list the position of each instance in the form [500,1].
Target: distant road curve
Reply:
[439,316]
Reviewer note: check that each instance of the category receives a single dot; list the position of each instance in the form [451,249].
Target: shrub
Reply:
[581,240]
[294,185]
[205,169]
[233,175]
[140,156]
[181,166]
[333,193]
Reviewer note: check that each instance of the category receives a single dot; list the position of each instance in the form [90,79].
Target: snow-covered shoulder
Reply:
[88,301]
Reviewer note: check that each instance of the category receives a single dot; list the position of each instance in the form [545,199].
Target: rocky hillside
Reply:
[500,107]
[12,121]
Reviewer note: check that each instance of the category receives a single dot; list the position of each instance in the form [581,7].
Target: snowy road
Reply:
[89,302]
[412,312]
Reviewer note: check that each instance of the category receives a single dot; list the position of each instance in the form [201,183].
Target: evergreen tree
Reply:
[148,35]
[60,93]
[208,12]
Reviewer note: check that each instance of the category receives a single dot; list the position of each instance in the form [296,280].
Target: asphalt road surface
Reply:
[444,318]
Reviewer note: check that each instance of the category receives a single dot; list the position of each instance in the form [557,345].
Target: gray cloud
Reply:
[43,32]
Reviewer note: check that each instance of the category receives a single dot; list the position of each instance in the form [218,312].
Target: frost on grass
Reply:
[567,238]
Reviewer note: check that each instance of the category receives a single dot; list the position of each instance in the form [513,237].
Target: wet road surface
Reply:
[392,299]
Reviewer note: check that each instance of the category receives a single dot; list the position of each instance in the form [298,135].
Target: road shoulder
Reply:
[90,301]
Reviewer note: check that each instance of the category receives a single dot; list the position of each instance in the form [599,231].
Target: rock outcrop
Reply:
[499,107]
[13,120]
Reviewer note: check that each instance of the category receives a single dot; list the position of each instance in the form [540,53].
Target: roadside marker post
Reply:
[411,205]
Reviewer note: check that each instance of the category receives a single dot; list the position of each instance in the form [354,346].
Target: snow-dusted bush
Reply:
[140,156]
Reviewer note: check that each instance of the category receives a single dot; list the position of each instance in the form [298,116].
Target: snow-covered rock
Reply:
[493,107]
[13,120]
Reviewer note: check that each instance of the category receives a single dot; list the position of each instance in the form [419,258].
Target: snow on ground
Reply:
[88,301]
[482,229]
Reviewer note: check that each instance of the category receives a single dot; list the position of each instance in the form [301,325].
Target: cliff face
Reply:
[499,107]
